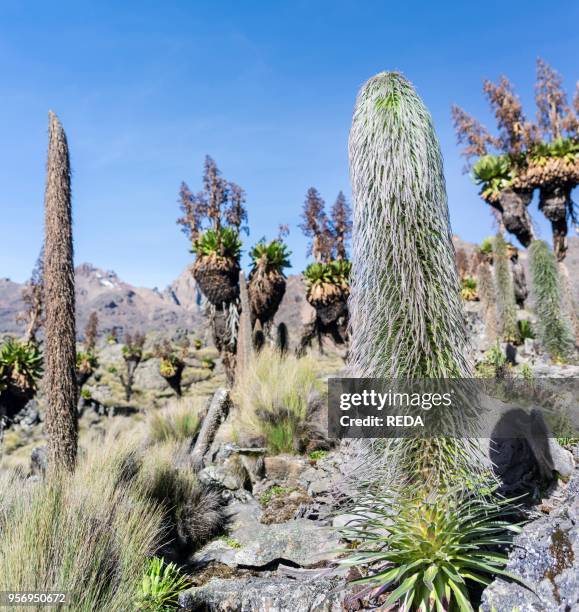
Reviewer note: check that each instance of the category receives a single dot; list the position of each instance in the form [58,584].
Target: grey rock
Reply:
[147,376]
[285,467]
[268,594]
[546,557]
[229,475]
[311,474]
[28,416]
[300,541]
[38,461]
[323,485]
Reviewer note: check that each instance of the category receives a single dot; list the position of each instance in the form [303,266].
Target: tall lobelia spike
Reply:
[405,308]
[60,335]
[407,318]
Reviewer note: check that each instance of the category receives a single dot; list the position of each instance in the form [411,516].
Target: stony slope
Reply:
[125,307]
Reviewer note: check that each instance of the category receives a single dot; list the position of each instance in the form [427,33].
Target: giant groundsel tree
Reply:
[526,156]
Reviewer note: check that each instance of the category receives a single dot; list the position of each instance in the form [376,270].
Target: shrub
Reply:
[554,328]
[486,246]
[432,551]
[493,173]
[326,281]
[87,533]
[525,329]
[90,533]
[20,364]
[179,422]
[193,513]
[162,582]
[468,289]
[494,363]
[408,322]
[272,399]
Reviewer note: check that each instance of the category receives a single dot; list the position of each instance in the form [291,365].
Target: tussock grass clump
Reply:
[87,533]
[554,328]
[92,532]
[179,421]
[272,399]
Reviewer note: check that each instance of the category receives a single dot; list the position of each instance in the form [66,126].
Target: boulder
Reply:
[546,556]
[300,542]
[265,594]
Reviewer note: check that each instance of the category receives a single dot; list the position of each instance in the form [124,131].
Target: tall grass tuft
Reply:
[272,398]
[88,533]
[92,532]
[554,328]
[179,421]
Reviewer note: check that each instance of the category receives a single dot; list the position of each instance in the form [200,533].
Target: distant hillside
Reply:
[127,308]
[119,305]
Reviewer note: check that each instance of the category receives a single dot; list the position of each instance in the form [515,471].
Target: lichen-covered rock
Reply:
[301,541]
[268,594]
[546,556]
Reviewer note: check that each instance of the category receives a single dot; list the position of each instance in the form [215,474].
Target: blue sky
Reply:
[146,89]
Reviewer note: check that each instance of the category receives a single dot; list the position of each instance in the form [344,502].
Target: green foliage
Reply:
[526,372]
[494,173]
[86,361]
[430,552]
[494,363]
[405,303]
[87,533]
[231,542]
[554,329]
[317,455]
[132,351]
[198,344]
[179,424]
[335,272]
[273,399]
[85,393]
[272,255]
[223,242]
[525,329]
[273,492]
[20,364]
[506,304]
[207,363]
[486,246]
[566,149]
[468,289]
[160,587]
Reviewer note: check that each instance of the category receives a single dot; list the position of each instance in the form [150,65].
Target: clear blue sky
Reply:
[146,89]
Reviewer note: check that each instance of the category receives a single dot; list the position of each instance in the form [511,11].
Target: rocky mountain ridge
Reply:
[126,308]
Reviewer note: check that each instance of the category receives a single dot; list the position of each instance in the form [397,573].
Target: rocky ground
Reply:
[280,548]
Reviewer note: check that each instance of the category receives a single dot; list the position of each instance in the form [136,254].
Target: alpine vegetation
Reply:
[507,308]
[554,329]
[405,306]
[407,322]
[60,384]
